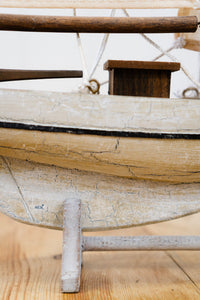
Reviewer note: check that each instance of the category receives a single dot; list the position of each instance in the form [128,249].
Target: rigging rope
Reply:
[173,58]
[102,48]
[178,44]
[83,58]
[88,81]
[87,77]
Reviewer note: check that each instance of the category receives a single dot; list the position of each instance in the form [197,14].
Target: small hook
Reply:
[94,86]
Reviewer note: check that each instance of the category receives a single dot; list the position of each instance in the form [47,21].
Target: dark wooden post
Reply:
[140,78]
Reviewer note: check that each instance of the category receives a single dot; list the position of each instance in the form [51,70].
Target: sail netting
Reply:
[144,4]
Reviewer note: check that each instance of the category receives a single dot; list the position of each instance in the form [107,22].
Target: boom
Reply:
[98,24]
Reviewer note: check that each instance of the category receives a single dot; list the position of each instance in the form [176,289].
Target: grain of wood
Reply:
[30,266]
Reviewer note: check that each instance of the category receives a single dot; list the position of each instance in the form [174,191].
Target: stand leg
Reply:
[72,253]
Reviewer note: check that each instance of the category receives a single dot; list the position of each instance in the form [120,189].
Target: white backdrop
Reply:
[60,51]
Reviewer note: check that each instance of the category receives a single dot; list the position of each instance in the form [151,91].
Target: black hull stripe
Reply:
[43,128]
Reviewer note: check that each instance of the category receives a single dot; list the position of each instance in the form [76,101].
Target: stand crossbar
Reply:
[126,243]
[74,244]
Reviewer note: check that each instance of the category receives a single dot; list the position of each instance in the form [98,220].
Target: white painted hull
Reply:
[35,193]
[138,158]
[131,161]
[153,139]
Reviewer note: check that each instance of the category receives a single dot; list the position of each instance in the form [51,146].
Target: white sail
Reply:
[99,3]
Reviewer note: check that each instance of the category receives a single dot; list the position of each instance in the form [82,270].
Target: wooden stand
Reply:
[140,78]
[74,243]
[71,261]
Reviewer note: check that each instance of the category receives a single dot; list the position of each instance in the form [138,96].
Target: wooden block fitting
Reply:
[140,78]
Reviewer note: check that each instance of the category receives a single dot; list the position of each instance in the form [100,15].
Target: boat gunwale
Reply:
[99,132]
[101,115]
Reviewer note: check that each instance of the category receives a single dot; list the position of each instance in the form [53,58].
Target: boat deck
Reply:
[30,264]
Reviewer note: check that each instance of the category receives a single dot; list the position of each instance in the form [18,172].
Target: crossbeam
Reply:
[38,23]
[127,243]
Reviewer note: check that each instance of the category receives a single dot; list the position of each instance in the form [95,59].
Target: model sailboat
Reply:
[131,160]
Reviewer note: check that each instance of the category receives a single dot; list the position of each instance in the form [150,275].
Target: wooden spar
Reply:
[8,75]
[97,24]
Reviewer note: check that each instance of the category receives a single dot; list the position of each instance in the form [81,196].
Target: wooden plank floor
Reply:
[30,264]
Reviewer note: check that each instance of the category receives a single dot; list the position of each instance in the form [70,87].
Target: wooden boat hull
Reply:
[139,138]
[172,160]
[35,193]
[131,161]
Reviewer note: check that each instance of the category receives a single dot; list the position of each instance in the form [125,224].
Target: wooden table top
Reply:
[30,262]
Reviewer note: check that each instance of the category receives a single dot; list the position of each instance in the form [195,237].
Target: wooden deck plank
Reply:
[30,266]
